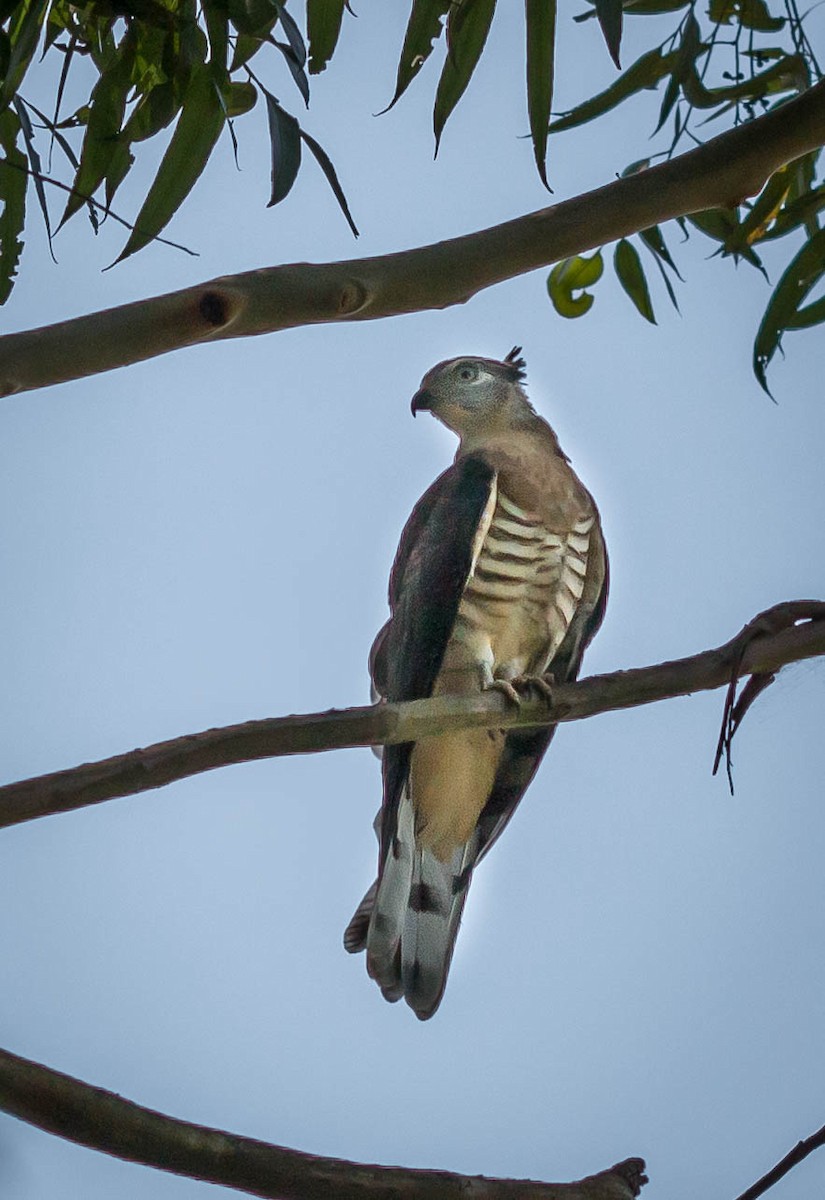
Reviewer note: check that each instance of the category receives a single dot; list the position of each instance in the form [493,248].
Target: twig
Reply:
[772,641]
[801,1150]
[103,1121]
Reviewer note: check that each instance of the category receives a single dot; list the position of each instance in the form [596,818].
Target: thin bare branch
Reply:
[770,641]
[103,1121]
[792,1159]
[719,174]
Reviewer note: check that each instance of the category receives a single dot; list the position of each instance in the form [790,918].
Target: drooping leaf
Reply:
[295,68]
[752,14]
[799,278]
[24,34]
[326,166]
[241,96]
[293,33]
[36,168]
[789,74]
[108,104]
[541,36]
[646,72]
[796,213]
[155,110]
[631,276]
[665,278]
[199,126]
[717,223]
[285,145]
[423,28]
[323,28]
[467,27]
[765,208]
[573,275]
[609,14]
[13,181]
[653,238]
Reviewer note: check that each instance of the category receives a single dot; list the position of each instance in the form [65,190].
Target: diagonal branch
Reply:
[103,1121]
[720,173]
[800,1151]
[784,634]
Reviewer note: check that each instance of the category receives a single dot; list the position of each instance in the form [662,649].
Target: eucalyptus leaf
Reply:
[541,36]
[423,29]
[631,276]
[646,72]
[799,278]
[570,276]
[285,146]
[609,14]
[323,29]
[13,182]
[199,126]
[467,27]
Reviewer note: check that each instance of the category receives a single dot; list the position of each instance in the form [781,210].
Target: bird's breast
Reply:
[524,588]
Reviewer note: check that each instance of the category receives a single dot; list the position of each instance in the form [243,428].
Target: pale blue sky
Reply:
[206,538]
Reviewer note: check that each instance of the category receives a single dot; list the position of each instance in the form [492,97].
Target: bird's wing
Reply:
[434,559]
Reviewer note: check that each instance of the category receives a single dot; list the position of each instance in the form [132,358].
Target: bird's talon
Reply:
[506,688]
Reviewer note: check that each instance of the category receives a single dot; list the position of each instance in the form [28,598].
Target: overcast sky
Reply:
[206,538]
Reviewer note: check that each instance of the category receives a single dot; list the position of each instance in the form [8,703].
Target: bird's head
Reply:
[475,396]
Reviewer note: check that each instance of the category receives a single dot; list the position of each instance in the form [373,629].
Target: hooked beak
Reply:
[422,401]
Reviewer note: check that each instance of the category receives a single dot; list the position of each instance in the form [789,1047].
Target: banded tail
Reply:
[408,921]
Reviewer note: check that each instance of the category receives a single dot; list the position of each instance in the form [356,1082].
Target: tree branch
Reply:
[720,173]
[792,1158]
[103,1121]
[772,640]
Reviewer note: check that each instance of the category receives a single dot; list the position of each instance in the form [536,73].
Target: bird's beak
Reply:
[422,401]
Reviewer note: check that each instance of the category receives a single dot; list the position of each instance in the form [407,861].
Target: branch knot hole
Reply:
[352,297]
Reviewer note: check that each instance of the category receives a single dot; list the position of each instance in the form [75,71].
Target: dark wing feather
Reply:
[428,577]
[525,748]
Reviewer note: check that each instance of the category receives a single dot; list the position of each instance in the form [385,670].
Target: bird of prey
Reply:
[500,581]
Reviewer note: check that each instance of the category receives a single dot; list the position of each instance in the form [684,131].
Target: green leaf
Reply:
[541,37]
[811,314]
[285,144]
[326,166]
[247,46]
[24,34]
[784,307]
[154,111]
[13,181]
[573,275]
[609,13]
[631,276]
[799,212]
[655,242]
[100,143]
[323,28]
[467,27]
[790,74]
[423,29]
[36,168]
[646,72]
[751,14]
[241,96]
[199,126]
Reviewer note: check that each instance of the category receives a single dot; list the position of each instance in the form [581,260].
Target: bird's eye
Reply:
[468,372]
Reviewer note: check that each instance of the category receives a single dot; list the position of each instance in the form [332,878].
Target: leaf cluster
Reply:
[157,64]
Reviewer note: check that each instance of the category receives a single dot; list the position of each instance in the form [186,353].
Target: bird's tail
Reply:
[408,921]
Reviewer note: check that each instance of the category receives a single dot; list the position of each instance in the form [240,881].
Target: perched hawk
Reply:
[500,579]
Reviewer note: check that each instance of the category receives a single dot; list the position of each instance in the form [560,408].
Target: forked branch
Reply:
[783,634]
[721,173]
